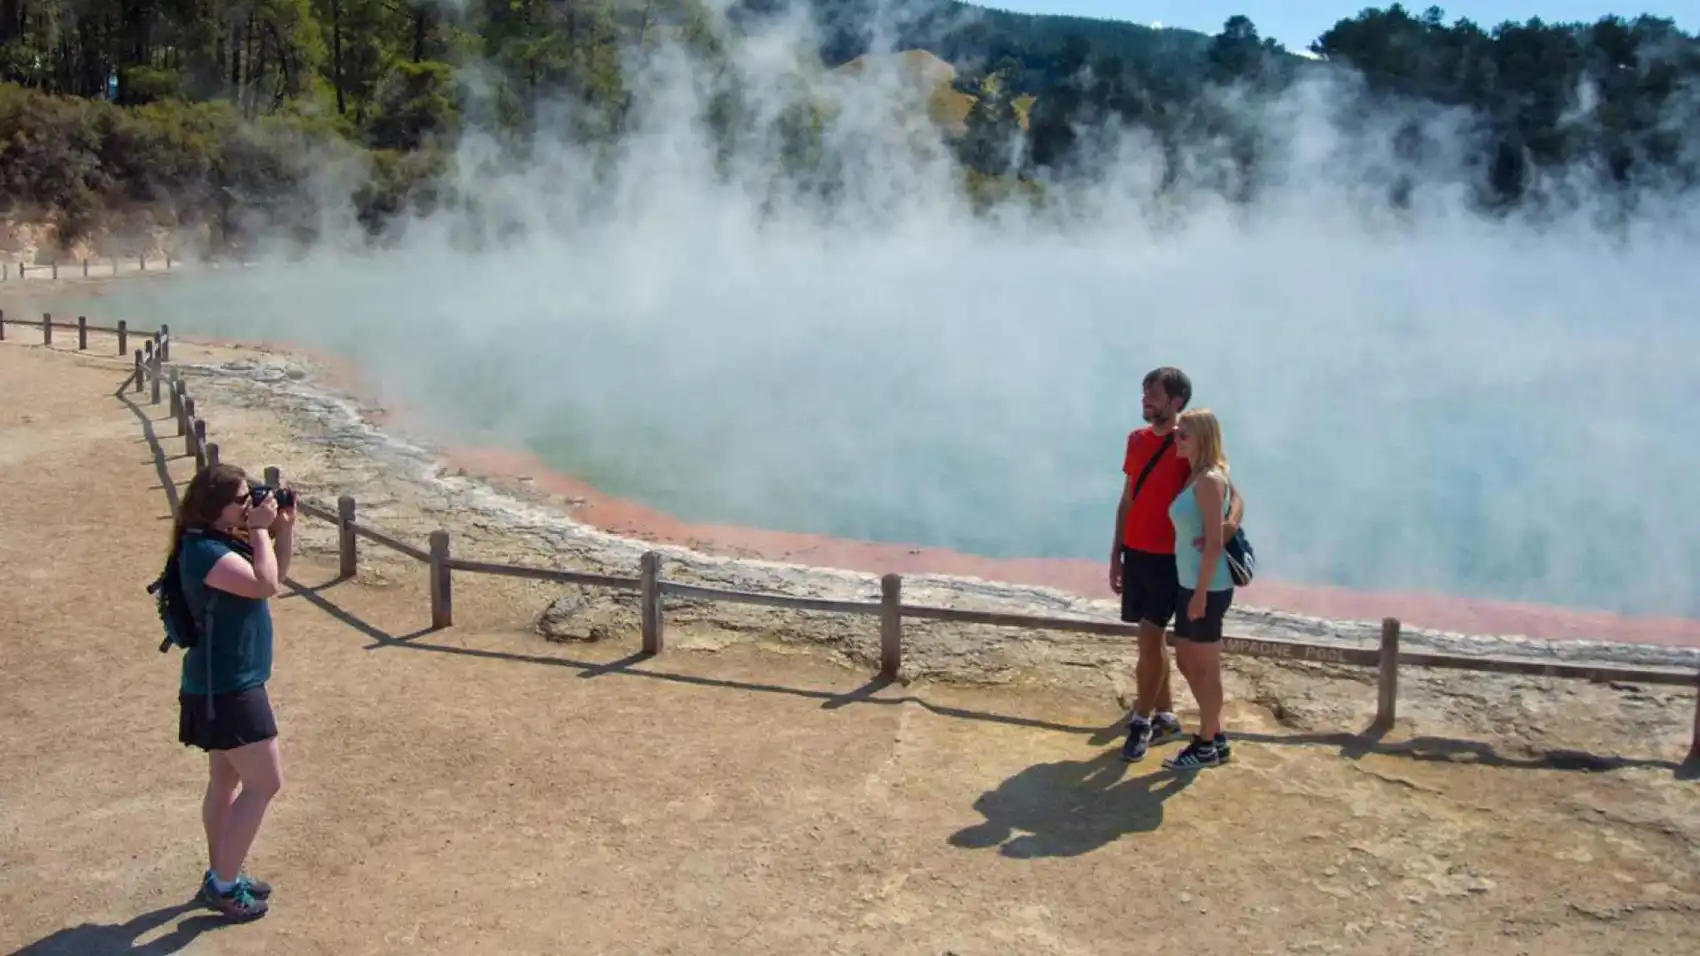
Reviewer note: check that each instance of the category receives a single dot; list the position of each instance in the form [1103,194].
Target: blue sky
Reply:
[1296,23]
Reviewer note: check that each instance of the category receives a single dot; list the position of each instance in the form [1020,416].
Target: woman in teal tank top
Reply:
[1206,586]
[230,553]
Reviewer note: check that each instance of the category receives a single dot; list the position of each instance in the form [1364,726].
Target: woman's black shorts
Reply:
[238,719]
[1208,627]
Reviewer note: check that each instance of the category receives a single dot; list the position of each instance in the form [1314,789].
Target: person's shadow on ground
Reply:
[95,939]
[1069,808]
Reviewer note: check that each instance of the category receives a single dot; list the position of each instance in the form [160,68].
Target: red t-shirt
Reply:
[1148,525]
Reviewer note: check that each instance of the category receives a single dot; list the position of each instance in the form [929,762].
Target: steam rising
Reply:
[1413,398]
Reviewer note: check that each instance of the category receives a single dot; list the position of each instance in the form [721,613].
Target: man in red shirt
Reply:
[1142,554]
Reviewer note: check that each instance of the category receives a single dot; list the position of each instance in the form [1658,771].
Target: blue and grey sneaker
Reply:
[240,904]
[1138,740]
[260,888]
[1197,755]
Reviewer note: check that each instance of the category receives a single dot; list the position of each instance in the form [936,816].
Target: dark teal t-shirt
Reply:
[235,654]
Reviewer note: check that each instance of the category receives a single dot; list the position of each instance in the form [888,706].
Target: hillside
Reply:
[923,72]
[977,39]
[179,109]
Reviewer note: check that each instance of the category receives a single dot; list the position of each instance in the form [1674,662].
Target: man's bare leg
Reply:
[1153,709]
[1151,674]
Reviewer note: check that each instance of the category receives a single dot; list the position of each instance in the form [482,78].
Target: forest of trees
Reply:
[1619,96]
[205,103]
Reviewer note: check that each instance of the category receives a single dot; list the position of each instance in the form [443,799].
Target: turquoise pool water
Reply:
[1500,428]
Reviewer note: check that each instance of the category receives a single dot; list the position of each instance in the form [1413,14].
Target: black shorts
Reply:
[1209,627]
[1149,583]
[238,719]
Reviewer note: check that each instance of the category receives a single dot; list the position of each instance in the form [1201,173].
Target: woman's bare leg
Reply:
[222,782]
[260,768]
[1205,678]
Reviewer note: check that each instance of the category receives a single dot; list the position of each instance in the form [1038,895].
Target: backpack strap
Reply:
[1168,440]
[206,639]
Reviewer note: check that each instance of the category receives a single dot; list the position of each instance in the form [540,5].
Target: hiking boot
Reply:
[1164,728]
[1138,740]
[1197,755]
[260,889]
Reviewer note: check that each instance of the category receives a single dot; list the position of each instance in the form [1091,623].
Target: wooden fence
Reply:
[151,370]
[51,269]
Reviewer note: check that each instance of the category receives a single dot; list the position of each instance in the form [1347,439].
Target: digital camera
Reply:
[257,495]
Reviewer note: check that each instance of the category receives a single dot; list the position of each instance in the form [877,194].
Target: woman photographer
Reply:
[1206,585]
[231,554]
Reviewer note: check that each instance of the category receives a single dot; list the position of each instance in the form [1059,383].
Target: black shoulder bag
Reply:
[1237,551]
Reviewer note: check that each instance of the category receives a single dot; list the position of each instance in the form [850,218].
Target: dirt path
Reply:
[483,790]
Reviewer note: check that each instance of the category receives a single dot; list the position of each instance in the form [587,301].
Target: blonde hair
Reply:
[1208,451]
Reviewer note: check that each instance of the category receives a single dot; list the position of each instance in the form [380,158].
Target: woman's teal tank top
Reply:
[1189,525]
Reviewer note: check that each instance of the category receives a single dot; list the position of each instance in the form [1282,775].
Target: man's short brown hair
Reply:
[1174,381]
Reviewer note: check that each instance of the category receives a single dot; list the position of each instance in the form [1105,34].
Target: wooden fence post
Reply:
[2,325]
[158,373]
[188,423]
[212,453]
[165,342]
[138,370]
[82,333]
[345,535]
[1387,679]
[123,337]
[56,269]
[649,579]
[177,402]
[199,446]
[891,625]
[46,328]
[85,268]
[274,477]
[442,595]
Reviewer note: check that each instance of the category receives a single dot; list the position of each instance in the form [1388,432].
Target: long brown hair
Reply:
[208,493]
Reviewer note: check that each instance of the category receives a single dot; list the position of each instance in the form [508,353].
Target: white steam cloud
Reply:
[1413,398]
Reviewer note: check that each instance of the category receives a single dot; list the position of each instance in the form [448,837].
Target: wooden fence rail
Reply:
[1388,658]
[160,339]
[52,268]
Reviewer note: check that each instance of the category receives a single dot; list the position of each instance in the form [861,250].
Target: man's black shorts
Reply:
[1149,587]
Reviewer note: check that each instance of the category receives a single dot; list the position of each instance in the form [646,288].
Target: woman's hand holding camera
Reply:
[285,520]
[261,516]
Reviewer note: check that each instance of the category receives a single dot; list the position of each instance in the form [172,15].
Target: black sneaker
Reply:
[1222,752]
[239,904]
[1197,755]
[1138,740]
[1164,728]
